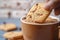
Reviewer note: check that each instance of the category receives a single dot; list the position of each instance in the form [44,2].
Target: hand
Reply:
[53,4]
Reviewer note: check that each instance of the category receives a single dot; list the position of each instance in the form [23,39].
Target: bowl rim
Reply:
[39,23]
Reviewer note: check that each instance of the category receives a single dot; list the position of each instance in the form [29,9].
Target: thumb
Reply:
[50,5]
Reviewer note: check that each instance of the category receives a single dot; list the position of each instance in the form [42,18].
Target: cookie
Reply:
[37,13]
[7,27]
[13,35]
[30,13]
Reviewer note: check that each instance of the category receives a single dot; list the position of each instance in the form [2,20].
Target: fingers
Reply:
[57,11]
[47,0]
[53,4]
[49,5]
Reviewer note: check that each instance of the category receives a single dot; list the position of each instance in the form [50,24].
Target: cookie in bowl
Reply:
[37,13]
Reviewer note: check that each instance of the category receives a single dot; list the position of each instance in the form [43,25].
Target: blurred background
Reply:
[12,10]
[16,8]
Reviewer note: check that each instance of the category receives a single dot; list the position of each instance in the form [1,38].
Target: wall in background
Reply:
[17,8]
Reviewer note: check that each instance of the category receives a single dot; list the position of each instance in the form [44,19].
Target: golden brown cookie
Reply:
[7,27]
[37,13]
[30,13]
[13,35]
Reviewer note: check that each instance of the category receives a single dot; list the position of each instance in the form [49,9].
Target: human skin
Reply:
[53,4]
